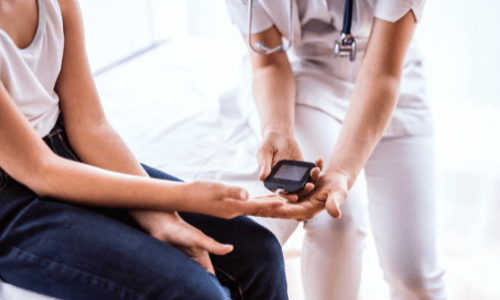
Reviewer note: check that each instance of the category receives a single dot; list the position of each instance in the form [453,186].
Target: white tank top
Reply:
[30,74]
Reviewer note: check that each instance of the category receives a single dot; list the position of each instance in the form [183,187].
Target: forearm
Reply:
[372,104]
[375,95]
[93,186]
[274,93]
[102,147]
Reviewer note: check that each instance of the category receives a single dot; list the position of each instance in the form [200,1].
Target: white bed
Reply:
[176,108]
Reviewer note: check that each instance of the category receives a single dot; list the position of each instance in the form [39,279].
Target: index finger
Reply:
[260,207]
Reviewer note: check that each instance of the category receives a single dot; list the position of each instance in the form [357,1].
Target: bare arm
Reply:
[375,95]
[95,142]
[110,175]
[25,157]
[372,104]
[273,85]
[274,93]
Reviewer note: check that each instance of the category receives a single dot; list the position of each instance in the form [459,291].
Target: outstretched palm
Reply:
[329,191]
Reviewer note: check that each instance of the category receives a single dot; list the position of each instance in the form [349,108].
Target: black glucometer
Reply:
[289,176]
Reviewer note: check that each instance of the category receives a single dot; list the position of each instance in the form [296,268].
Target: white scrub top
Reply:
[326,82]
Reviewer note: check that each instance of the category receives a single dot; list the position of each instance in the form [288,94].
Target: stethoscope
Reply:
[346,46]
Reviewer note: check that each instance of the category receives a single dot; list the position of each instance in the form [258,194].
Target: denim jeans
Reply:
[72,251]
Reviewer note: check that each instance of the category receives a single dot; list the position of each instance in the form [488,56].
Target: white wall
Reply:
[116,29]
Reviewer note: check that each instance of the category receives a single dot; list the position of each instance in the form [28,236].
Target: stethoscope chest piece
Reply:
[346,47]
[347,44]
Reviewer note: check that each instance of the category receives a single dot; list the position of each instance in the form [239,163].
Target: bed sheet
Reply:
[175,106]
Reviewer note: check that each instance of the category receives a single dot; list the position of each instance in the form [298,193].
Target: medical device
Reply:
[346,46]
[289,176]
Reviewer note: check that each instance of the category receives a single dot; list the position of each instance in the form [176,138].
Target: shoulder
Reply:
[69,8]
[393,10]
[71,16]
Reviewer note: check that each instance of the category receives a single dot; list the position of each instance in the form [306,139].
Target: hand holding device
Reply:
[330,191]
[289,176]
[276,146]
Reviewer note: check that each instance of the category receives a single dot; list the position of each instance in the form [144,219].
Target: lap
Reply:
[73,252]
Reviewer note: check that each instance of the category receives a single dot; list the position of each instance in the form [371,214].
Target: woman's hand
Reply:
[219,200]
[330,191]
[277,146]
[170,228]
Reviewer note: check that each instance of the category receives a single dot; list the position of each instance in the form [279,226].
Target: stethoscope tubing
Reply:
[347,46]
[263,50]
[346,28]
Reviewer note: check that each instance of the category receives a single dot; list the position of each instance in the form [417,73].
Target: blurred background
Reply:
[461,43]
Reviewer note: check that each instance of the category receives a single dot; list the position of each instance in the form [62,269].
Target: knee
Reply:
[347,227]
[267,251]
[417,282]
[267,267]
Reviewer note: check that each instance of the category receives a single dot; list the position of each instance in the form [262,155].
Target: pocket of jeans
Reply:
[61,147]
[3,179]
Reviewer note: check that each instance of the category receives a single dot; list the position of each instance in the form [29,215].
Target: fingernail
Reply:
[243,195]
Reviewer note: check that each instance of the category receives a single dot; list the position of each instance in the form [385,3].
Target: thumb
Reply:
[333,204]
[265,160]
[232,192]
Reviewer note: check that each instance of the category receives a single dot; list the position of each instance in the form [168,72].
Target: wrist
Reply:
[286,131]
[145,219]
[345,172]
[152,221]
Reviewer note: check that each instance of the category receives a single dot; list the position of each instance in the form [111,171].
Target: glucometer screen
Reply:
[288,172]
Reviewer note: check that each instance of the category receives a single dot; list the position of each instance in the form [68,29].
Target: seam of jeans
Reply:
[143,296]
[67,148]
[3,179]
[232,278]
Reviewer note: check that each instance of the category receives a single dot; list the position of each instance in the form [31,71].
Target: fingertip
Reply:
[319,163]
[333,211]
[261,176]
[221,249]
[243,195]
[227,248]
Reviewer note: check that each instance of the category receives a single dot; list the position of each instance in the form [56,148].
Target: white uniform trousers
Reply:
[395,193]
